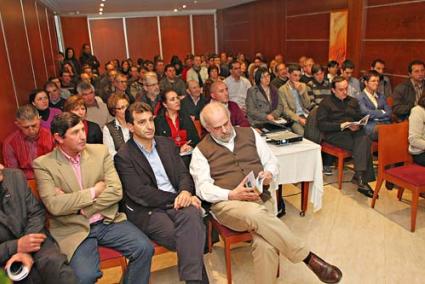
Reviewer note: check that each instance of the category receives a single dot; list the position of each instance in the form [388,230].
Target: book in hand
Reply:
[255,183]
[361,122]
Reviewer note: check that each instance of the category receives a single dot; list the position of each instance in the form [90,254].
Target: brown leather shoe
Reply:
[326,272]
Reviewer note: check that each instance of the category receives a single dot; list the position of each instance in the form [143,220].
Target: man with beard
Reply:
[219,167]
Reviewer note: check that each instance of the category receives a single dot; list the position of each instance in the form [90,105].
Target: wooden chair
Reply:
[229,237]
[340,154]
[392,149]
[111,258]
[198,127]
[390,101]
[32,184]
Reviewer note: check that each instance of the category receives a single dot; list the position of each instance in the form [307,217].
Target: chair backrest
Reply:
[393,144]
[32,184]
[311,129]
[198,127]
[390,101]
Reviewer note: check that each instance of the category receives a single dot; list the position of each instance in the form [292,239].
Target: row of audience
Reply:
[154,172]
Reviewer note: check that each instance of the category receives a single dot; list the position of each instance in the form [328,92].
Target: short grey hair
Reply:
[149,76]
[27,112]
[211,105]
[84,86]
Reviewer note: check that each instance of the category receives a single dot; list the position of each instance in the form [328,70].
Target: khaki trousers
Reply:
[270,235]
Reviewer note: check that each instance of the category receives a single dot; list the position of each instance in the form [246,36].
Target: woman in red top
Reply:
[172,123]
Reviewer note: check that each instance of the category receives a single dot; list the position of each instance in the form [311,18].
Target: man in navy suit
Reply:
[374,104]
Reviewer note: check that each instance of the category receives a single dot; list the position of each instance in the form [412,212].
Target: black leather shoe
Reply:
[366,192]
[389,185]
[281,209]
[326,272]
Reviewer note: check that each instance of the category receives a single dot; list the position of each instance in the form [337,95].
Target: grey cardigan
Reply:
[258,106]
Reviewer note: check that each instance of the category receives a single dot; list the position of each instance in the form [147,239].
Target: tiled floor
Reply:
[369,245]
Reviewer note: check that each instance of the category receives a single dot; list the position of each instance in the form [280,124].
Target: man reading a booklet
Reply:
[225,167]
[335,117]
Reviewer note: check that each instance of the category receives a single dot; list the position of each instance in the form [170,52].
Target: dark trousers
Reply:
[419,159]
[50,266]
[183,231]
[123,237]
[359,144]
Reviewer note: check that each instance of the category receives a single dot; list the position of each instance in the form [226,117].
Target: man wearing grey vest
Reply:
[219,166]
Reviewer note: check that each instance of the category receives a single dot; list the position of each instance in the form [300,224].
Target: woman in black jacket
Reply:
[172,123]
[71,59]
[75,104]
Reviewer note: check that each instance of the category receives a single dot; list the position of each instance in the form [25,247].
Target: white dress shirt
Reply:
[238,90]
[204,183]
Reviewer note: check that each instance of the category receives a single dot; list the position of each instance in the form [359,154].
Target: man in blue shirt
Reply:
[159,193]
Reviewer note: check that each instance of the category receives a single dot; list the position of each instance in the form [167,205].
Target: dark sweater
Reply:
[332,112]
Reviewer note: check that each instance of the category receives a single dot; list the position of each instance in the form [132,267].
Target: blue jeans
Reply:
[123,237]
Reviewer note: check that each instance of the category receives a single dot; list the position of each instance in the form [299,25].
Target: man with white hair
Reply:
[220,165]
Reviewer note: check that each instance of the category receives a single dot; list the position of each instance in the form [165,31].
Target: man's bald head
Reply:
[215,118]
[219,92]
[211,111]
[193,88]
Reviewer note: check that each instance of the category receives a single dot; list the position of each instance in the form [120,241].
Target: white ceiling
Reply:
[91,7]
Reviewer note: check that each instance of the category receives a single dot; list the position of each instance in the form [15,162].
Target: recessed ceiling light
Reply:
[100,9]
[103,0]
[100,13]
[176,10]
[195,2]
[102,4]
[184,6]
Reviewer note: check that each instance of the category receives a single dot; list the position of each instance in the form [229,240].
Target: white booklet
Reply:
[361,122]
[255,183]
[280,120]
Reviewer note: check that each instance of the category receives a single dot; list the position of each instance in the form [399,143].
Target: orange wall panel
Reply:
[47,48]
[35,40]
[16,41]
[142,37]
[203,34]
[175,33]
[54,40]
[75,32]
[8,105]
[108,39]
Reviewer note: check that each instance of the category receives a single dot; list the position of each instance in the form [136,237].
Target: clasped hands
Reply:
[185,199]
[243,193]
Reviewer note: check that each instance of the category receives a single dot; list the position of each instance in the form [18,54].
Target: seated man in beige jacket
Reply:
[295,99]
[80,188]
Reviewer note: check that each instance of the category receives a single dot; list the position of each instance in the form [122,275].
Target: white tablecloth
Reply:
[299,162]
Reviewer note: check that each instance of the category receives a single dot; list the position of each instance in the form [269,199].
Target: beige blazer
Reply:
[66,224]
[288,100]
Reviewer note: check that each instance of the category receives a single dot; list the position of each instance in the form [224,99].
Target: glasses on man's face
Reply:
[122,107]
[151,85]
[123,82]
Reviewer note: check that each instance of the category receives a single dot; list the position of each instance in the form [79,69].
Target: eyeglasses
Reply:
[122,82]
[122,107]
[151,85]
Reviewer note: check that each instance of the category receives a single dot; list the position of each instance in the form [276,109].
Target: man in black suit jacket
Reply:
[23,237]
[159,193]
